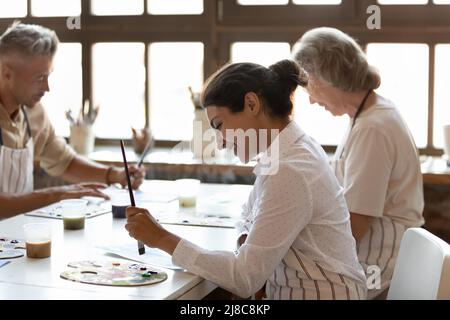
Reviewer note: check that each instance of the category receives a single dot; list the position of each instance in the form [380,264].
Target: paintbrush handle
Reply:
[127,173]
[144,153]
[141,247]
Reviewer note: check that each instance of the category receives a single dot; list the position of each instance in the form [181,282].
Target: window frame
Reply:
[225,21]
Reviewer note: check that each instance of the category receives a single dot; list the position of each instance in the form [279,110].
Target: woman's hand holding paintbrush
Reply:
[141,247]
[142,226]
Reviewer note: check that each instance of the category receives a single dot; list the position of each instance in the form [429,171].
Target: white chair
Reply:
[422,269]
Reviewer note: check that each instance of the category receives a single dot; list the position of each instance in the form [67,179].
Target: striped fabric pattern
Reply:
[16,174]
[307,280]
[379,247]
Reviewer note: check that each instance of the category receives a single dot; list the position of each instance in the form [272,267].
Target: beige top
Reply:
[51,151]
[378,166]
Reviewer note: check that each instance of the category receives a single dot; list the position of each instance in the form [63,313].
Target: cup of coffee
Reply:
[38,240]
[73,212]
[120,200]
[187,192]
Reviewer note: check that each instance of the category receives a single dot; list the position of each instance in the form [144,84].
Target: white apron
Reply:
[16,165]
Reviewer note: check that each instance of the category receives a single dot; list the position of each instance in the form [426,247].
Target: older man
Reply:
[26,134]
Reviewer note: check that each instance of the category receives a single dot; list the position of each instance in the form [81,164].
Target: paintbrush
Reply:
[141,247]
[70,117]
[144,153]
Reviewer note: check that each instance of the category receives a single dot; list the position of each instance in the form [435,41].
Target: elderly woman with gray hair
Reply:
[377,162]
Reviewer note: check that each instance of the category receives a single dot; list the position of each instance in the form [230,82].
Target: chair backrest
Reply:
[422,269]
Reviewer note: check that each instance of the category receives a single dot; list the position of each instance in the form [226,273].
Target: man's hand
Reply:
[78,190]
[137,176]
[143,227]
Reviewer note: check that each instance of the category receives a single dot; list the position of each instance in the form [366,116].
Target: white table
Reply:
[25,278]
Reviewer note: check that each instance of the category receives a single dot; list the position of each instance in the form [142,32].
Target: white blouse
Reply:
[299,239]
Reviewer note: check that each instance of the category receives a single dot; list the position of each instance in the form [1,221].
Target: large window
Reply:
[119,88]
[402,2]
[55,8]
[117,7]
[65,84]
[264,53]
[17,8]
[175,6]
[262,2]
[284,2]
[441,93]
[318,2]
[137,58]
[404,80]
[173,68]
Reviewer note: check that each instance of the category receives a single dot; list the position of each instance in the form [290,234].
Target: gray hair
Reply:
[28,39]
[335,57]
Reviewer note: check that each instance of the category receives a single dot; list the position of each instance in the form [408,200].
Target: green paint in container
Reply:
[74,223]
[73,212]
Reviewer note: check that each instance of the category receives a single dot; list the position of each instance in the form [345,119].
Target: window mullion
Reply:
[431,66]
[147,87]
[28,8]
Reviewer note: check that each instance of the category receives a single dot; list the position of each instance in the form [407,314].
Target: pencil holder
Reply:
[82,139]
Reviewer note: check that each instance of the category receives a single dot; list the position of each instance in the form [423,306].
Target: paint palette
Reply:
[113,273]
[11,248]
[94,208]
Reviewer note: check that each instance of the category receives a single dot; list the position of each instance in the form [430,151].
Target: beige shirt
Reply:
[52,152]
[378,165]
[380,168]
[299,239]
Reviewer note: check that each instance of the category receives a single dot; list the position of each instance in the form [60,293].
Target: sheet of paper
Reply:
[207,215]
[142,196]
[154,257]
[196,220]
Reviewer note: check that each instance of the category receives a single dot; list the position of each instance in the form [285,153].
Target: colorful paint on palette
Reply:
[113,273]
[11,248]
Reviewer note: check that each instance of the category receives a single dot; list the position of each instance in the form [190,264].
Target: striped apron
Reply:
[16,165]
[378,249]
[300,278]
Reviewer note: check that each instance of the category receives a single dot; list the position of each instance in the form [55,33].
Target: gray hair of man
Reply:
[28,40]
[334,57]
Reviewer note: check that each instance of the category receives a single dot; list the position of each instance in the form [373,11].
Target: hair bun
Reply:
[289,73]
